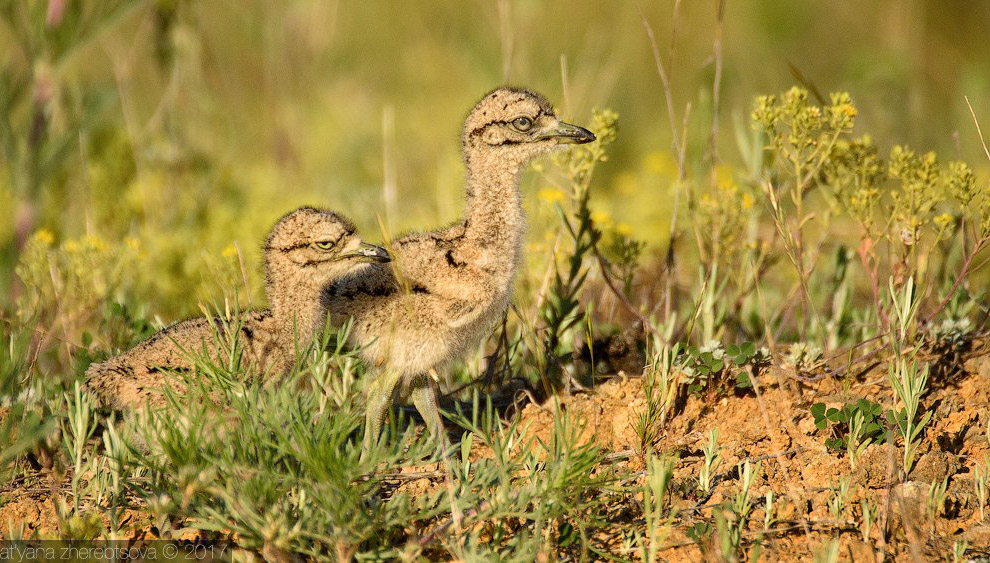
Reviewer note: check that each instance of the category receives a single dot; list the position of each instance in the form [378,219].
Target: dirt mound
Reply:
[777,429]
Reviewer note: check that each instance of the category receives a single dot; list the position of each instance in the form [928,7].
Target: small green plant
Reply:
[852,427]
[715,369]
[856,441]
[699,532]
[80,425]
[333,367]
[981,484]
[112,472]
[949,336]
[804,358]
[705,366]
[909,385]
[25,423]
[935,504]
[837,504]
[959,548]
[908,382]
[660,384]
[828,552]
[769,519]
[732,520]
[741,354]
[747,354]
[869,516]
[712,462]
[659,472]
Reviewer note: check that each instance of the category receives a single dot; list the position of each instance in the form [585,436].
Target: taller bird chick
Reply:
[450,287]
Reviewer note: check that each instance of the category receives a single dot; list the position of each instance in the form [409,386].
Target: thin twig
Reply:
[664,81]
[978,130]
[716,81]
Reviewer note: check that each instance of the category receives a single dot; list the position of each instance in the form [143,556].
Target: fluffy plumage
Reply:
[447,288]
[305,251]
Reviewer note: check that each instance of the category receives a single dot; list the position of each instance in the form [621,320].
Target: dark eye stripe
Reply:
[335,242]
[287,248]
[481,128]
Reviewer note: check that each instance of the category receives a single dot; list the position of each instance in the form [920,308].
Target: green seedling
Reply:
[862,415]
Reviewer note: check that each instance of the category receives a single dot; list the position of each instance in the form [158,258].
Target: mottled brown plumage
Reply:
[305,251]
[448,288]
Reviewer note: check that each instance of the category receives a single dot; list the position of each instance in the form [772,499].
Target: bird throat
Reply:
[299,312]
[494,214]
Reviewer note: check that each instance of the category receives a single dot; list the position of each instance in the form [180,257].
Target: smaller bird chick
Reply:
[305,252]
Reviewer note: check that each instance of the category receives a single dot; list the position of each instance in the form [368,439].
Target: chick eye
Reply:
[522,123]
[324,245]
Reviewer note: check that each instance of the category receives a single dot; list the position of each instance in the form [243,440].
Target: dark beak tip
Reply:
[573,134]
[372,253]
[381,256]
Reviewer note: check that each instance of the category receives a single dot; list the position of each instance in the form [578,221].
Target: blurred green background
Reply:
[171,134]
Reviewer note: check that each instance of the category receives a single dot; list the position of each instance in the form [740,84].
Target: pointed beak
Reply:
[369,253]
[567,133]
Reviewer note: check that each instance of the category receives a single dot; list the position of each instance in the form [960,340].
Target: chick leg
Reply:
[424,397]
[379,402]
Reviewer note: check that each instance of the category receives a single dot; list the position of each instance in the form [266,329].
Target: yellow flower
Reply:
[229,251]
[943,220]
[747,201]
[70,246]
[550,196]
[623,229]
[93,242]
[601,217]
[44,236]
[132,242]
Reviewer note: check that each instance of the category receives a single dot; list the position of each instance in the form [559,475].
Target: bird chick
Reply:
[448,288]
[304,252]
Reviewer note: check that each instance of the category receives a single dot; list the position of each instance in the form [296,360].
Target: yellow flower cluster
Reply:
[550,196]
[44,237]
[720,216]
[799,131]
[854,174]
[73,278]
